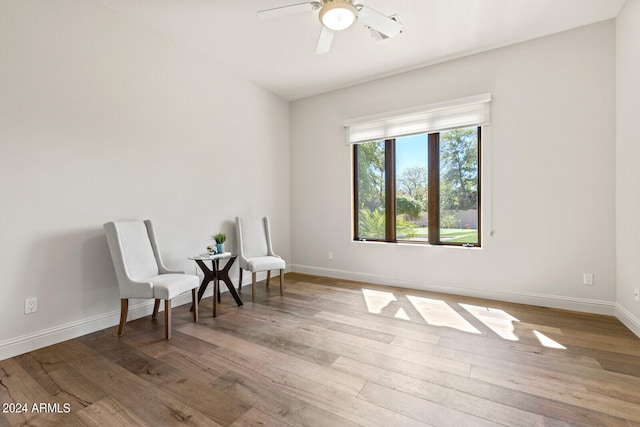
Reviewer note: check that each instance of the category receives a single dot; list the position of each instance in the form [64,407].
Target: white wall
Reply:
[102,120]
[548,179]
[627,161]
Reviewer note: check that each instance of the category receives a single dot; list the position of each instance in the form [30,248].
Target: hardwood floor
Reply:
[336,353]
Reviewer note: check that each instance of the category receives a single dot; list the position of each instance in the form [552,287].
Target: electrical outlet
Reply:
[587,279]
[330,255]
[30,305]
[636,294]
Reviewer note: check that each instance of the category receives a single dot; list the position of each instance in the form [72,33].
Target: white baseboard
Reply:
[628,319]
[26,343]
[543,300]
[23,344]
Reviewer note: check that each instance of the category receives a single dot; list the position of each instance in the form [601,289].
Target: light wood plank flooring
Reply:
[337,353]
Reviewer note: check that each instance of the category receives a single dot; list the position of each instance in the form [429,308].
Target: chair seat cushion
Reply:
[264,263]
[169,286]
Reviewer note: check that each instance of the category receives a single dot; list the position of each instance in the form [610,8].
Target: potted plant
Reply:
[220,239]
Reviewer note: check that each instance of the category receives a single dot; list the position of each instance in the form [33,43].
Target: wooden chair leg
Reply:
[167,319]
[281,280]
[194,297]
[156,306]
[253,286]
[240,281]
[124,308]
[268,277]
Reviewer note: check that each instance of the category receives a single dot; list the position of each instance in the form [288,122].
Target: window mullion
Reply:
[390,190]
[434,189]
[479,198]
[356,199]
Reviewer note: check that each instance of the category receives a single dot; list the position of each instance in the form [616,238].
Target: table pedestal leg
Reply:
[215,274]
[224,276]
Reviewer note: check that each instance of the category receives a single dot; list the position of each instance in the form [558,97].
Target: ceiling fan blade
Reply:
[324,41]
[379,22]
[289,10]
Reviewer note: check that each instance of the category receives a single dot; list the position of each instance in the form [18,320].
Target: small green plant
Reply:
[448,221]
[404,229]
[219,238]
[372,224]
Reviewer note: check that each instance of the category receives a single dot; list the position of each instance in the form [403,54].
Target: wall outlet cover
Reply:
[30,305]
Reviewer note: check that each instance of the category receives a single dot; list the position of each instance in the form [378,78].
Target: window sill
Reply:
[416,244]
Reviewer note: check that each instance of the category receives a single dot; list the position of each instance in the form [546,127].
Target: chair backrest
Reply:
[131,249]
[254,237]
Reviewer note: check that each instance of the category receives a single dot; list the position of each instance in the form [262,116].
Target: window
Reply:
[419,188]
[417,172]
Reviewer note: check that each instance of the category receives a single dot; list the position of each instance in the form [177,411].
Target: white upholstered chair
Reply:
[141,272]
[255,251]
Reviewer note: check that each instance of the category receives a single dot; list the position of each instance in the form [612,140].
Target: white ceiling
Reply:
[278,53]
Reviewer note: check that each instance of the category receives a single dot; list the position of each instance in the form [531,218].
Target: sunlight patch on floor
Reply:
[547,342]
[438,313]
[377,300]
[401,314]
[499,321]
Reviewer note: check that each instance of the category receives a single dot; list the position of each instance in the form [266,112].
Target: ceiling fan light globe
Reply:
[338,15]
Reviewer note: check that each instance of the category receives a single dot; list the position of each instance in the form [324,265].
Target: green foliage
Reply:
[412,181]
[459,169]
[219,238]
[371,224]
[405,229]
[448,221]
[371,175]
[408,205]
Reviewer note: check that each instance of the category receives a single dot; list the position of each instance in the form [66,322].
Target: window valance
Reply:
[440,116]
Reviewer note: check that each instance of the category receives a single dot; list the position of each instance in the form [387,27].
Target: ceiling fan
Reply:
[338,15]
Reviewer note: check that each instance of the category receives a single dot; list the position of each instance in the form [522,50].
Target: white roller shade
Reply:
[456,113]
